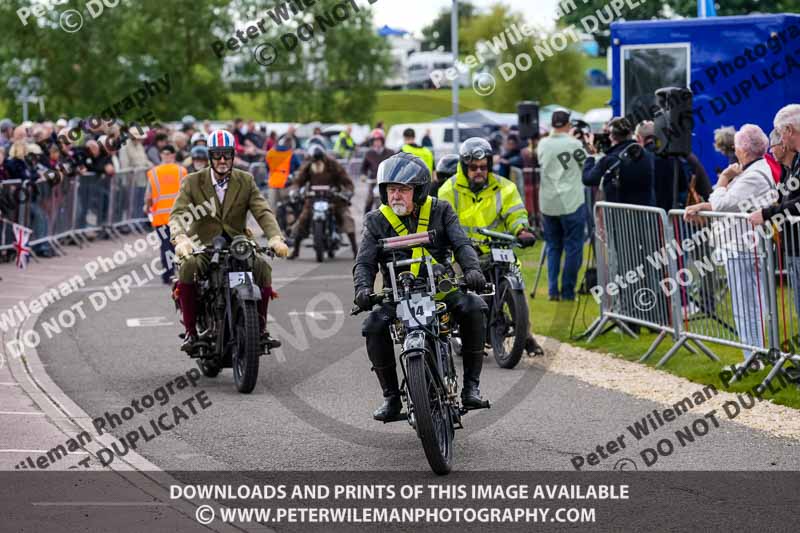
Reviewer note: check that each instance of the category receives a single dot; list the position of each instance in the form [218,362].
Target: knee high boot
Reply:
[353,243]
[267,294]
[473,334]
[296,250]
[187,296]
[471,393]
[385,368]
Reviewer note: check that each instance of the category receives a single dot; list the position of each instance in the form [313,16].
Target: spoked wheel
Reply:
[247,348]
[319,240]
[432,415]
[508,326]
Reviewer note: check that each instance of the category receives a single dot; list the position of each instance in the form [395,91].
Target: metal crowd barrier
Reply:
[628,237]
[73,208]
[725,282]
[713,278]
[517,177]
[787,303]
[259,172]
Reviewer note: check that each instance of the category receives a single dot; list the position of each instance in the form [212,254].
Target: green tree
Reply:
[557,79]
[334,76]
[112,55]
[438,33]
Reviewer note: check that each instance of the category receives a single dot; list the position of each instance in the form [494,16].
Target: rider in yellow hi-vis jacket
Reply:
[483,200]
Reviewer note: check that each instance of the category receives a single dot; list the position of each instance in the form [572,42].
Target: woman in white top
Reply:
[736,190]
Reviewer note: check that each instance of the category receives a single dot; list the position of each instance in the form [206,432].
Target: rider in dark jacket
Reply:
[404,181]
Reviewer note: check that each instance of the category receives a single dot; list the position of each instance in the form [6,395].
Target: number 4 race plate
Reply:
[503,256]
[418,309]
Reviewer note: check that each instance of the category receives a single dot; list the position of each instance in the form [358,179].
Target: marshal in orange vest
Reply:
[279,164]
[165,183]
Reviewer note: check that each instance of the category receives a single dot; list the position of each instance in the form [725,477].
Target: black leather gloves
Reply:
[475,280]
[362,299]
[526,238]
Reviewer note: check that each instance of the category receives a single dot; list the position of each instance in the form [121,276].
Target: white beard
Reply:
[399,210]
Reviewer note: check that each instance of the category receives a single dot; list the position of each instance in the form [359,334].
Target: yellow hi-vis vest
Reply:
[497,207]
[401,230]
[421,152]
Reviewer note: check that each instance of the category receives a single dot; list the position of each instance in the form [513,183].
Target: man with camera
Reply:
[561,198]
[627,172]
[664,169]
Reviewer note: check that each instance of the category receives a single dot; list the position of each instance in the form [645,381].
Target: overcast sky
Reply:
[413,15]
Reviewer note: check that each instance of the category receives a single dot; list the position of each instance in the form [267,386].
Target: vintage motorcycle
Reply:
[287,210]
[509,323]
[228,329]
[423,327]
[324,231]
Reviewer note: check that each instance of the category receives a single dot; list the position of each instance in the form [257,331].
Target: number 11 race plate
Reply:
[503,256]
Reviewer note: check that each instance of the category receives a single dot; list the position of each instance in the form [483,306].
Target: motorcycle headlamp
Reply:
[445,285]
[241,249]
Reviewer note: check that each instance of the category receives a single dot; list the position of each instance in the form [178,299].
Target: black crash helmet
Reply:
[447,167]
[405,169]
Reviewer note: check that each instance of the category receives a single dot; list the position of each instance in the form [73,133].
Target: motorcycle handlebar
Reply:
[223,251]
[375,298]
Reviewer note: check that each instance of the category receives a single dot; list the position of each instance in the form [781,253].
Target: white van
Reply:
[419,67]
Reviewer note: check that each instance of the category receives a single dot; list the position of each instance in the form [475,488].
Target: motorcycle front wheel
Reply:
[247,348]
[319,240]
[432,415]
[508,326]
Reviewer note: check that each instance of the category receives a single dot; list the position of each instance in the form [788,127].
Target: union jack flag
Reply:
[22,236]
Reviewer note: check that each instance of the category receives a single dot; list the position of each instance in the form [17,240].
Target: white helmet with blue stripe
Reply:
[221,143]
[220,139]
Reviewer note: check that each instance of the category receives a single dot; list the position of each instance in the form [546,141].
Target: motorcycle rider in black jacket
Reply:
[404,182]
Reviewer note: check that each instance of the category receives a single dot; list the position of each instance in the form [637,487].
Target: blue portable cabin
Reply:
[716,58]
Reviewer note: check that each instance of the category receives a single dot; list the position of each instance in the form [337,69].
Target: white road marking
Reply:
[33,413]
[316,315]
[148,322]
[41,451]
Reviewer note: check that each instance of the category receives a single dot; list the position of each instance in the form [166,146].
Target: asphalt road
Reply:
[311,409]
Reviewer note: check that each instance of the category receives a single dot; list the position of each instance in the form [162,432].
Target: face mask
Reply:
[399,210]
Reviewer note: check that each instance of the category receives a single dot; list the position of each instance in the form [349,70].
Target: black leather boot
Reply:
[296,252]
[392,406]
[532,347]
[353,243]
[471,393]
